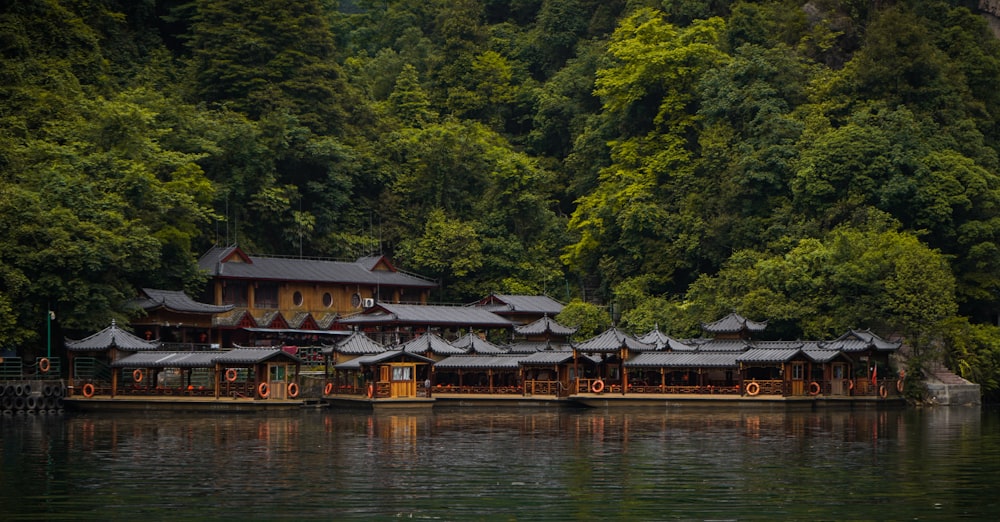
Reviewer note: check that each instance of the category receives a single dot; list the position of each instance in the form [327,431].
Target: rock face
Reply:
[991,11]
[947,389]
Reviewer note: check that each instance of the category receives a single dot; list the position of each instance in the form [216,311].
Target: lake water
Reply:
[471,464]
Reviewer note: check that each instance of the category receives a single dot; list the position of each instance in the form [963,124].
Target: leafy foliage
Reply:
[821,165]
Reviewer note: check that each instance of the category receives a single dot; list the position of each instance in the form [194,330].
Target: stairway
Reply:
[946,388]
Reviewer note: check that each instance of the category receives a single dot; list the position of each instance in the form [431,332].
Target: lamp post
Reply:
[49,316]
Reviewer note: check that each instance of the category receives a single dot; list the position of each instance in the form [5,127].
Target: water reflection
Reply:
[532,464]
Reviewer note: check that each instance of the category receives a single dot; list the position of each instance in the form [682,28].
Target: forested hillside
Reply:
[822,165]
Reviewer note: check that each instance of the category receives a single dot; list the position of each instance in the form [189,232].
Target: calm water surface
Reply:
[462,464]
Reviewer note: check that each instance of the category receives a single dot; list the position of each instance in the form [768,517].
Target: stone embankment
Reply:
[947,389]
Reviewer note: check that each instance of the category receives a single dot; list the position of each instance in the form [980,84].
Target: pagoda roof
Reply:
[151,299]
[387,356]
[545,325]
[433,343]
[356,344]
[612,340]
[734,323]
[111,337]
[472,343]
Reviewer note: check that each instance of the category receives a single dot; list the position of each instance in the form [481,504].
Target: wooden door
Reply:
[798,378]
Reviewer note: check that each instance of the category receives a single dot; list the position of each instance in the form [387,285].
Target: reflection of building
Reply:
[275,295]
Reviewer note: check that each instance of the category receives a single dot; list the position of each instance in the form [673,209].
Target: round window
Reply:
[356,300]
[327,300]
[297,298]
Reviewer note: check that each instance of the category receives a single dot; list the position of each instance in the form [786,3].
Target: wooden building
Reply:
[295,299]
[173,318]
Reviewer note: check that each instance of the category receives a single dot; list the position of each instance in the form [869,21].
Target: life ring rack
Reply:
[753,388]
[598,386]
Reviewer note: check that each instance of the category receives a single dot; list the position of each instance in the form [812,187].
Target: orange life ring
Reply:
[597,387]
[371,391]
[44,365]
[328,388]
[753,388]
[293,390]
[88,390]
[850,384]
[137,375]
[231,375]
[882,392]
[264,390]
[899,385]
[814,388]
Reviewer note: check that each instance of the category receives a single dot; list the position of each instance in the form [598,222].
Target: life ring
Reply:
[44,365]
[814,388]
[882,392]
[850,384]
[899,385]
[88,390]
[371,391]
[753,388]
[328,388]
[231,375]
[293,390]
[597,387]
[137,375]
[264,390]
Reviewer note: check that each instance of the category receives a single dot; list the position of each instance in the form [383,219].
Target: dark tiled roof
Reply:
[733,323]
[478,362]
[771,355]
[521,304]
[538,346]
[167,360]
[239,356]
[861,340]
[432,343]
[547,358]
[175,300]
[111,337]
[545,325]
[472,343]
[387,356]
[682,360]
[306,270]
[428,315]
[612,340]
[721,345]
[357,344]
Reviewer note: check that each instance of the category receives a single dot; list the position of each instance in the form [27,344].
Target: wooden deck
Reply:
[177,403]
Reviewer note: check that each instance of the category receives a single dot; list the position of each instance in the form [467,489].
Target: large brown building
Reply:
[284,296]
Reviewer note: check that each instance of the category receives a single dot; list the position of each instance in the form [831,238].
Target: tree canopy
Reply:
[822,165]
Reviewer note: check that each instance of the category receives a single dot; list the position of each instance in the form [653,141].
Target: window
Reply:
[402,373]
[798,370]
[266,295]
[327,300]
[297,298]
[356,300]
[235,293]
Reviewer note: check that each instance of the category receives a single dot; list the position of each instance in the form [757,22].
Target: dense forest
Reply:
[821,165]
